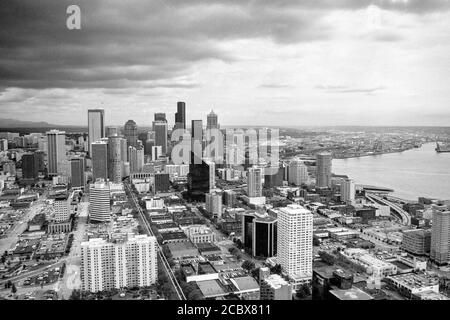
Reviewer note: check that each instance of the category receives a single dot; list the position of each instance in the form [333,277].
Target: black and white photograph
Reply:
[214,156]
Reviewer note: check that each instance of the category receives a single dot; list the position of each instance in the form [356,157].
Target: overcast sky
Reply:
[266,62]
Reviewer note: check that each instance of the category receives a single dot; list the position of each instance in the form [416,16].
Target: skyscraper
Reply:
[160,117]
[30,166]
[100,160]
[259,234]
[294,243]
[56,151]
[254,182]
[180,116]
[198,180]
[99,204]
[160,129]
[77,172]
[197,130]
[211,121]
[111,131]
[96,126]
[213,204]
[298,173]
[440,237]
[131,133]
[323,165]
[348,191]
[115,162]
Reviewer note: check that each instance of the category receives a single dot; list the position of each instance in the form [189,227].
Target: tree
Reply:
[277,269]
[303,292]
[327,258]
[248,265]
[76,295]
[13,288]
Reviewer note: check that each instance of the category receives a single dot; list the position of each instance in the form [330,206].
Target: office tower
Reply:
[3,145]
[274,287]
[56,151]
[140,159]
[213,205]
[112,131]
[259,234]
[294,243]
[148,146]
[416,241]
[61,206]
[254,182]
[229,198]
[124,263]
[198,180]
[180,116]
[131,133]
[160,117]
[156,152]
[197,130]
[211,121]
[298,173]
[162,182]
[440,237]
[132,157]
[96,126]
[100,160]
[348,191]
[99,204]
[77,172]
[160,129]
[30,166]
[212,173]
[273,177]
[40,155]
[323,165]
[123,149]
[115,162]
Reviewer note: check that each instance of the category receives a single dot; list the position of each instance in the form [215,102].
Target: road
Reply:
[161,255]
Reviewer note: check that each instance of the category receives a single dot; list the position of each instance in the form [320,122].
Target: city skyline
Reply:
[248,62]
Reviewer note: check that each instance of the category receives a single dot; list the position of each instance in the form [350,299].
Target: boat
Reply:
[442,147]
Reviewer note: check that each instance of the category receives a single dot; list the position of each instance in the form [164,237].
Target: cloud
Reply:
[349,89]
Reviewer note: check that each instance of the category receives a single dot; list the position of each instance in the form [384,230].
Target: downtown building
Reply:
[30,166]
[440,238]
[213,205]
[96,126]
[323,170]
[259,234]
[131,133]
[125,263]
[294,243]
[99,201]
[99,157]
[348,191]
[77,168]
[274,287]
[180,116]
[298,173]
[56,152]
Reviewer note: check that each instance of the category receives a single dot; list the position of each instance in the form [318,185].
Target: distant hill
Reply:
[12,123]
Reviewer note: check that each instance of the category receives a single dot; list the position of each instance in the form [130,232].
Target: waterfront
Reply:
[412,173]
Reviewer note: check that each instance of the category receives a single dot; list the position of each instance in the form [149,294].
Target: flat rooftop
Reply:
[350,294]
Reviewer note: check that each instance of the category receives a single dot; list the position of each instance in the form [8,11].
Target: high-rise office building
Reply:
[131,133]
[100,160]
[62,208]
[213,205]
[259,234]
[198,180]
[440,237]
[212,121]
[417,241]
[162,182]
[294,243]
[348,191]
[96,126]
[99,201]
[77,172]
[273,177]
[254,182]
[30,166]
[156,152]
[115,162]
[112,131]
[159,116]
[3,145]
[160,129]
[180,116]
[197,130]
[56,151]
[123,149]
[323,167]
[298,173]
[212,173]
[107,265]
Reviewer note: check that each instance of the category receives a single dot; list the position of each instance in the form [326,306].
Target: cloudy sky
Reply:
[266,62]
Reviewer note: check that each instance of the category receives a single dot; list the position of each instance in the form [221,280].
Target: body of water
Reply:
[412,173]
